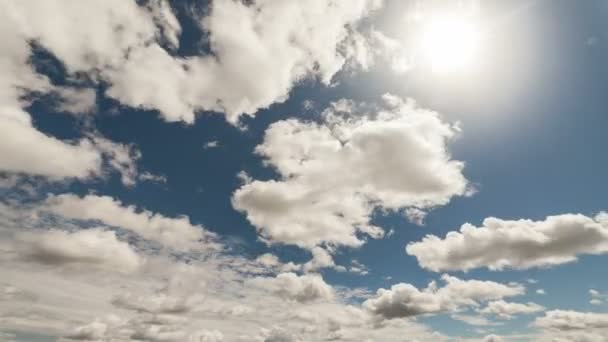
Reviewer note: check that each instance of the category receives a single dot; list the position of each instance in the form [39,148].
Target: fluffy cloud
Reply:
[177,233]
[498,244]
[493,338]
[24,149]
[572,320]
[305,288]
[507,310]
[129,47]
[93,247]
[405,300]
[572,326]
[334,174]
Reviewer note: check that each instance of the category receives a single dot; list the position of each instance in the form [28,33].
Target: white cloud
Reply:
[597,298]
[541,292]
[260,50]
[148,176]
[92,247]
[561,319]
[24,149]
[76,101]
[474,320]
[320,259]
[521,244]
[211,144]
[305,288]
[177,233]
[506,310]
[405,300]
[493,338]
[575,326]
[336,173]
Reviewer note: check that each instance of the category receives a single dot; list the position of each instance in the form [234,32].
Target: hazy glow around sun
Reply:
[450,43]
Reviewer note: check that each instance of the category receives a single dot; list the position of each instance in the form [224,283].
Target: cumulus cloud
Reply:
[572,320]
[312,40]
[25,149]
[498,244]
[572,326]
[405,300]
[506,310]
[334,174]
[304,288]
[92,247]
[177,233]
[493,338]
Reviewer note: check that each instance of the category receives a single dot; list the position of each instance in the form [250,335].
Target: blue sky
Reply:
[291,171]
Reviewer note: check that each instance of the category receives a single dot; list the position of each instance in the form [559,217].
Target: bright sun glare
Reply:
[450,43]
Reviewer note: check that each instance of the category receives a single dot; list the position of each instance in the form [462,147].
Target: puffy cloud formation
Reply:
[129,47]
[25,149]
[405,300]
[572,320]
[305,288]
[573,326]
[507,310]
[493,338]
[92,247]
[334,174]
[177,233]
[498,244]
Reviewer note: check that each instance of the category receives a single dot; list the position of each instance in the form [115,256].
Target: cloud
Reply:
[572,320]
[175,295]
[177,233]
[572,326]
[474,320]
[597,298]
[493,338]
[258,50]
[405,300]
[94,247]
[334,174]
[25,149]
[305,288]
[520,244]
[506,310]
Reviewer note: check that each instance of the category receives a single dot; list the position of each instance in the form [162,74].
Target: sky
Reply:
[292,171]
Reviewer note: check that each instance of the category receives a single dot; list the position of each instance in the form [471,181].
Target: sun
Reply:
[450,43]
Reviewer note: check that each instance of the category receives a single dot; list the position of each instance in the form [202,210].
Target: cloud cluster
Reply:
[131,48]
[334,174]
[405,300]
[573,326]
[506,310]
[498,244]
[258,50]
[177,233]
[67,279]
[305,288]
[94,247]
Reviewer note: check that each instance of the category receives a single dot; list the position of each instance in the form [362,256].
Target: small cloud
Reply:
[541,292]
[148,176]
[211,144]
[308,104]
